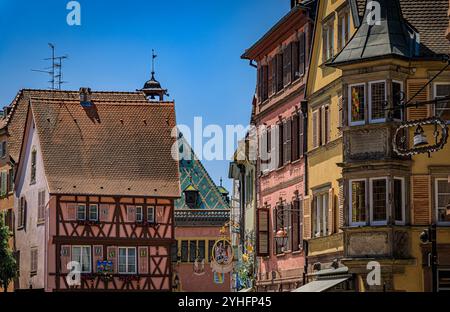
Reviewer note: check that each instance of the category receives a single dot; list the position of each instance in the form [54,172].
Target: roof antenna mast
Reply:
[55,70]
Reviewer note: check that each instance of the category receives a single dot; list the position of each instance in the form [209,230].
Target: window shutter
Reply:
[301,136]
[273,137]
[331,213]
[4,182]
[341,205]
[287,64]
[279,72]
[324,43]
[259,84]
[104,212]
[273,63]
[65,254]
[288,138]
[143,260]
[97,256]
[264,148]
[306,218]
[295,61]
[265,80]
[422,111]
[302,54]
[280,144]
[421,200]
[270,78]
[262,240]
[295,138]
[327,124]
[112,256]
[341,114]
[340,20]
[71,212]
[315,128]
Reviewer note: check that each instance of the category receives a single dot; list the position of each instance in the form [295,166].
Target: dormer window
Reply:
[191,197]
[33,167]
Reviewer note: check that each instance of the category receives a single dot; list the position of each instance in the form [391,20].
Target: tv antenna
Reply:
[55,70]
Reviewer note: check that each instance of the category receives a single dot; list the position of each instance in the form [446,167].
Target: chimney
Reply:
[85,97]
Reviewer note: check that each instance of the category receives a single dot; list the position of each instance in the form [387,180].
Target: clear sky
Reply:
[198,42]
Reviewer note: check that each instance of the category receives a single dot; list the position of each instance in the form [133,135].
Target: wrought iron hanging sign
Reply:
[222,260]
[420,142]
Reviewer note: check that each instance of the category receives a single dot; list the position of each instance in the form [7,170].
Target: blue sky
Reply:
[198,42]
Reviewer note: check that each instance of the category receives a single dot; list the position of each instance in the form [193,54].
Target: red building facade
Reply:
[282,57]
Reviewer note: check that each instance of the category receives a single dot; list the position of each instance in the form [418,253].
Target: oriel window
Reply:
[358,202]
[377,101]
[356,104]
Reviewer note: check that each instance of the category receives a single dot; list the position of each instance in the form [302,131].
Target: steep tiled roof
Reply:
[430,18]
[121,145]
[19,107]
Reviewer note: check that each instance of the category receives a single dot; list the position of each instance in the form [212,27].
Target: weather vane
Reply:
[153,62]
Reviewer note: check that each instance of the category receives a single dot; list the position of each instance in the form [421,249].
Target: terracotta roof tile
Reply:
[120,146]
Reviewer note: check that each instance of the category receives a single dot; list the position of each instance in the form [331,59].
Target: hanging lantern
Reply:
[281,237]
[420,138]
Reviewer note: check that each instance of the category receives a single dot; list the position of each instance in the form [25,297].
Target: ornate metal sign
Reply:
[222,261]
[421,145]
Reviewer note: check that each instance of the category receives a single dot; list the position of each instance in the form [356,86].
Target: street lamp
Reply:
[281,237]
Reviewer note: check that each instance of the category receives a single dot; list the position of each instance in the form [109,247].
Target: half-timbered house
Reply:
[94,191]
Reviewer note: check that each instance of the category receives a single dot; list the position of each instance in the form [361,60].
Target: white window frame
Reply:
[402,88]
[152,208]
[342,18]
[349,105]
[436,183]
[403,221]
[356,224]
[379,120]
[81,257]
[435,94]
[126,260]
[78,207]
[140,214]
[321,223]
[382,222]
[96,212]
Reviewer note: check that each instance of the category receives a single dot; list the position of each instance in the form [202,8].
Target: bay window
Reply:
[442,201]
[442,110]
[356,104]
[377,98]
[357,202]
[398,97]
[378,201]
[127,260]
[82,255]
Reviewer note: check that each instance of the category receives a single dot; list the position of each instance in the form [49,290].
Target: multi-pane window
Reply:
[321,123]
[139,214]
[357,202]
[399,200]
[194,250]
[184,251]
[151,214]
[211,244]
[377,105]
[82,255]
[34,261]
[33,166]
[398,97]
[356,104]
[93,212]
[4,183]
[344,28]
[443,201]
[442,90]
[320,214]
[41,206]
[328,40]
[379,200]
[127,260]
[81,212]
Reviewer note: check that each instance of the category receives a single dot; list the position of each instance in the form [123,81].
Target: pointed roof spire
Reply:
[383,33]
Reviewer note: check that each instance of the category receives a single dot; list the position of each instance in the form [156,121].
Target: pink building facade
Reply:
[282,57]
[94,211]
